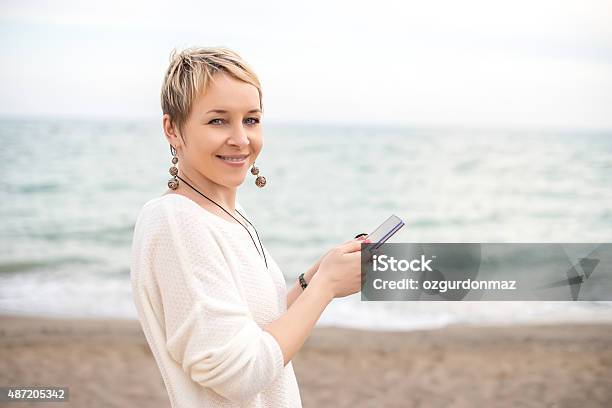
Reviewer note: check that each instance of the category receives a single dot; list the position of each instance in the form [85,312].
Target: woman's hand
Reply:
[339,272]
[315,267]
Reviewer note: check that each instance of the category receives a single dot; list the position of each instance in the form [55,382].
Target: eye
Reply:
[211,122]
[256,120]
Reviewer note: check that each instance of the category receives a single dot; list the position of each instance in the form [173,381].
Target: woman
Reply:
[212,302]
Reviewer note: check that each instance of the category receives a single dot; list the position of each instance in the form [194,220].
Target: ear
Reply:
[171,131]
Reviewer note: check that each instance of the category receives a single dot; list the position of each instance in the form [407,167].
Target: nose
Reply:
[239,136]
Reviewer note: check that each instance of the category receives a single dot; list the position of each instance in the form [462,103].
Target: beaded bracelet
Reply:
[303,281]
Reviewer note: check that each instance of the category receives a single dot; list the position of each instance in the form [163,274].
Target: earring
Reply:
[260,181]
[173,182]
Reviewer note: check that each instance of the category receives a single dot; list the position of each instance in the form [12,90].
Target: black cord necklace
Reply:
[247,230]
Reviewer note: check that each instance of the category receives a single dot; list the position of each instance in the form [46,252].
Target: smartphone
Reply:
[385,230]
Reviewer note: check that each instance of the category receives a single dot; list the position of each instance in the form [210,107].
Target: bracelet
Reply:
[302,281]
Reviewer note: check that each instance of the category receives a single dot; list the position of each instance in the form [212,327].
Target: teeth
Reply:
[233,159]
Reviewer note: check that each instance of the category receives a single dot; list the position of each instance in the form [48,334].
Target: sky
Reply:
[524,64]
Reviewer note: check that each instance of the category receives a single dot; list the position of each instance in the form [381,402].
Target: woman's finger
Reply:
[352,246]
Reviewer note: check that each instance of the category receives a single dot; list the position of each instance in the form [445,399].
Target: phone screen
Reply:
[385,230]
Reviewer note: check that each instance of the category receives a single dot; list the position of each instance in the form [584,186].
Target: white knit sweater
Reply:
[203,294]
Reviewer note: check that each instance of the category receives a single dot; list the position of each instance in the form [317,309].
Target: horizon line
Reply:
[352,124]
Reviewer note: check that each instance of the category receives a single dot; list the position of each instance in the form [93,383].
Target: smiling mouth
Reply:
[234,159]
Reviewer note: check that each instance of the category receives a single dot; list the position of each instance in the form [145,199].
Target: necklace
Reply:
[247,230]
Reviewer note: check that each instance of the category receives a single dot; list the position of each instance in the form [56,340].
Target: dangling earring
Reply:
[260,181]
[173,182]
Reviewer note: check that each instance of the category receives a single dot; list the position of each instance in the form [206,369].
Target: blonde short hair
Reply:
[190,72]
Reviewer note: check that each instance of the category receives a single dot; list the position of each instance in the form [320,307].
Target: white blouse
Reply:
[203,294]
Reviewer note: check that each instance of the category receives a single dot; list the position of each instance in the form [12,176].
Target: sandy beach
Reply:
[107,363]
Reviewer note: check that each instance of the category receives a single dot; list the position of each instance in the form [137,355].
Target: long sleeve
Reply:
[209,329]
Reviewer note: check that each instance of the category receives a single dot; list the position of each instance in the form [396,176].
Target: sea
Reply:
[71,190]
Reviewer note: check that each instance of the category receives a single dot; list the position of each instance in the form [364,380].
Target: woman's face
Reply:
[224,122]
